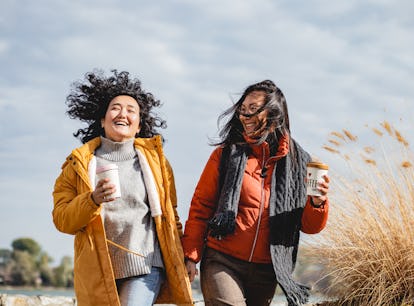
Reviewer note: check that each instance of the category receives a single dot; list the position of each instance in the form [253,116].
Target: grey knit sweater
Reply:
[128,220]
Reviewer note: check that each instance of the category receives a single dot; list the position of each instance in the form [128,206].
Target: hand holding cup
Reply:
[108,187]
[104,191]
[317,182]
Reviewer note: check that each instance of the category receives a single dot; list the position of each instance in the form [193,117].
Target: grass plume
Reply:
[367,249]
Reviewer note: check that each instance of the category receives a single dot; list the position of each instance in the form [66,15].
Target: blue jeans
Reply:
[140,290]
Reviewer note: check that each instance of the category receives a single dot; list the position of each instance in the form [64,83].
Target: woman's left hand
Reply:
[191,269]
[323,188]
[103,191]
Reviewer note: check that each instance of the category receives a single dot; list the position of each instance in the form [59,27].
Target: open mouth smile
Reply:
[121,123]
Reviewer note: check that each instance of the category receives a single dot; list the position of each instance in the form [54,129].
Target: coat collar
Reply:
[282,150]
[87,149]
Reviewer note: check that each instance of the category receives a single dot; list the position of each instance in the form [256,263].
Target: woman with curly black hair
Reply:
[127,246]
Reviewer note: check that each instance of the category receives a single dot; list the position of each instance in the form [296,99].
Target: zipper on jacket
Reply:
[261,208]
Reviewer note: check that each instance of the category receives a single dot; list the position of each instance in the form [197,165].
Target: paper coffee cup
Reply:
[314,175]
[110,171]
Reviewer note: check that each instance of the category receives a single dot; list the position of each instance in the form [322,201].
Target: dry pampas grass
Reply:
[367,249]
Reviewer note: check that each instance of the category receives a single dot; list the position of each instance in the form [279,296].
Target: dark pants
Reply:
[226,280]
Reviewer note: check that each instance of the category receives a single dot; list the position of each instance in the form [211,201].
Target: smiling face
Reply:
[253,125]
[122,119]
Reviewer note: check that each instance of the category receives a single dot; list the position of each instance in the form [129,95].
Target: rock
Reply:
[40,300]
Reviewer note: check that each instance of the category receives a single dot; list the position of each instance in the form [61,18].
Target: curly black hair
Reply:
[89,99]
[277,118]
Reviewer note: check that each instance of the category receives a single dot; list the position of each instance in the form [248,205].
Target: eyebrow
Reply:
[128,105]
[251,105]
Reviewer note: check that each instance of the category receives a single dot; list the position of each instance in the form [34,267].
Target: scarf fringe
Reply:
[222,224]
[297,295]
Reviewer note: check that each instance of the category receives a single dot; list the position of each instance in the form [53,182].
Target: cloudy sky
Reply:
[341,64]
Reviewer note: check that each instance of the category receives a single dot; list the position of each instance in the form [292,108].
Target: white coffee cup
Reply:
[314,175]
[110,171]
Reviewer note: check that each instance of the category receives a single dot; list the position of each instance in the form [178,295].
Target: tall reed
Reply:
[367,248]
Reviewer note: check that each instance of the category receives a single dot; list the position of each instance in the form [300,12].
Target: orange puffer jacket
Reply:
[250,241]
[75,213]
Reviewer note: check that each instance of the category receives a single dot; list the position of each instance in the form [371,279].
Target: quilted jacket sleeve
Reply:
[73,205]
[314,219]
[203,207]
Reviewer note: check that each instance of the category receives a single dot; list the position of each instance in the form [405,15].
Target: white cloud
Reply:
[340,65]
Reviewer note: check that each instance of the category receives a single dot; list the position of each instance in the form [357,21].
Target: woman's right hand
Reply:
[103,191]
[191,269]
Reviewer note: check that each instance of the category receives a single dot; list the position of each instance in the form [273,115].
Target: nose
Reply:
[122,112]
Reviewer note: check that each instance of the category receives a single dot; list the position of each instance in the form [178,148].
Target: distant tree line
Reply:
[26,264]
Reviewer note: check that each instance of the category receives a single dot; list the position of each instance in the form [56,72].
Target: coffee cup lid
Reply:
[106,168]
[318,165]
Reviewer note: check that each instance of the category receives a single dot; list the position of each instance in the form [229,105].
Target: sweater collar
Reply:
[116,151]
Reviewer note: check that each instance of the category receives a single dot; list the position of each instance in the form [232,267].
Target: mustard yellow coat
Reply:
[75,213]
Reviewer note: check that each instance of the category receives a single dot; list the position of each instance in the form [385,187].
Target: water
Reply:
[39,291]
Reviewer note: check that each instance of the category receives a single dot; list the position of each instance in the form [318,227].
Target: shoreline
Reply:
[36,291]
[55,296]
